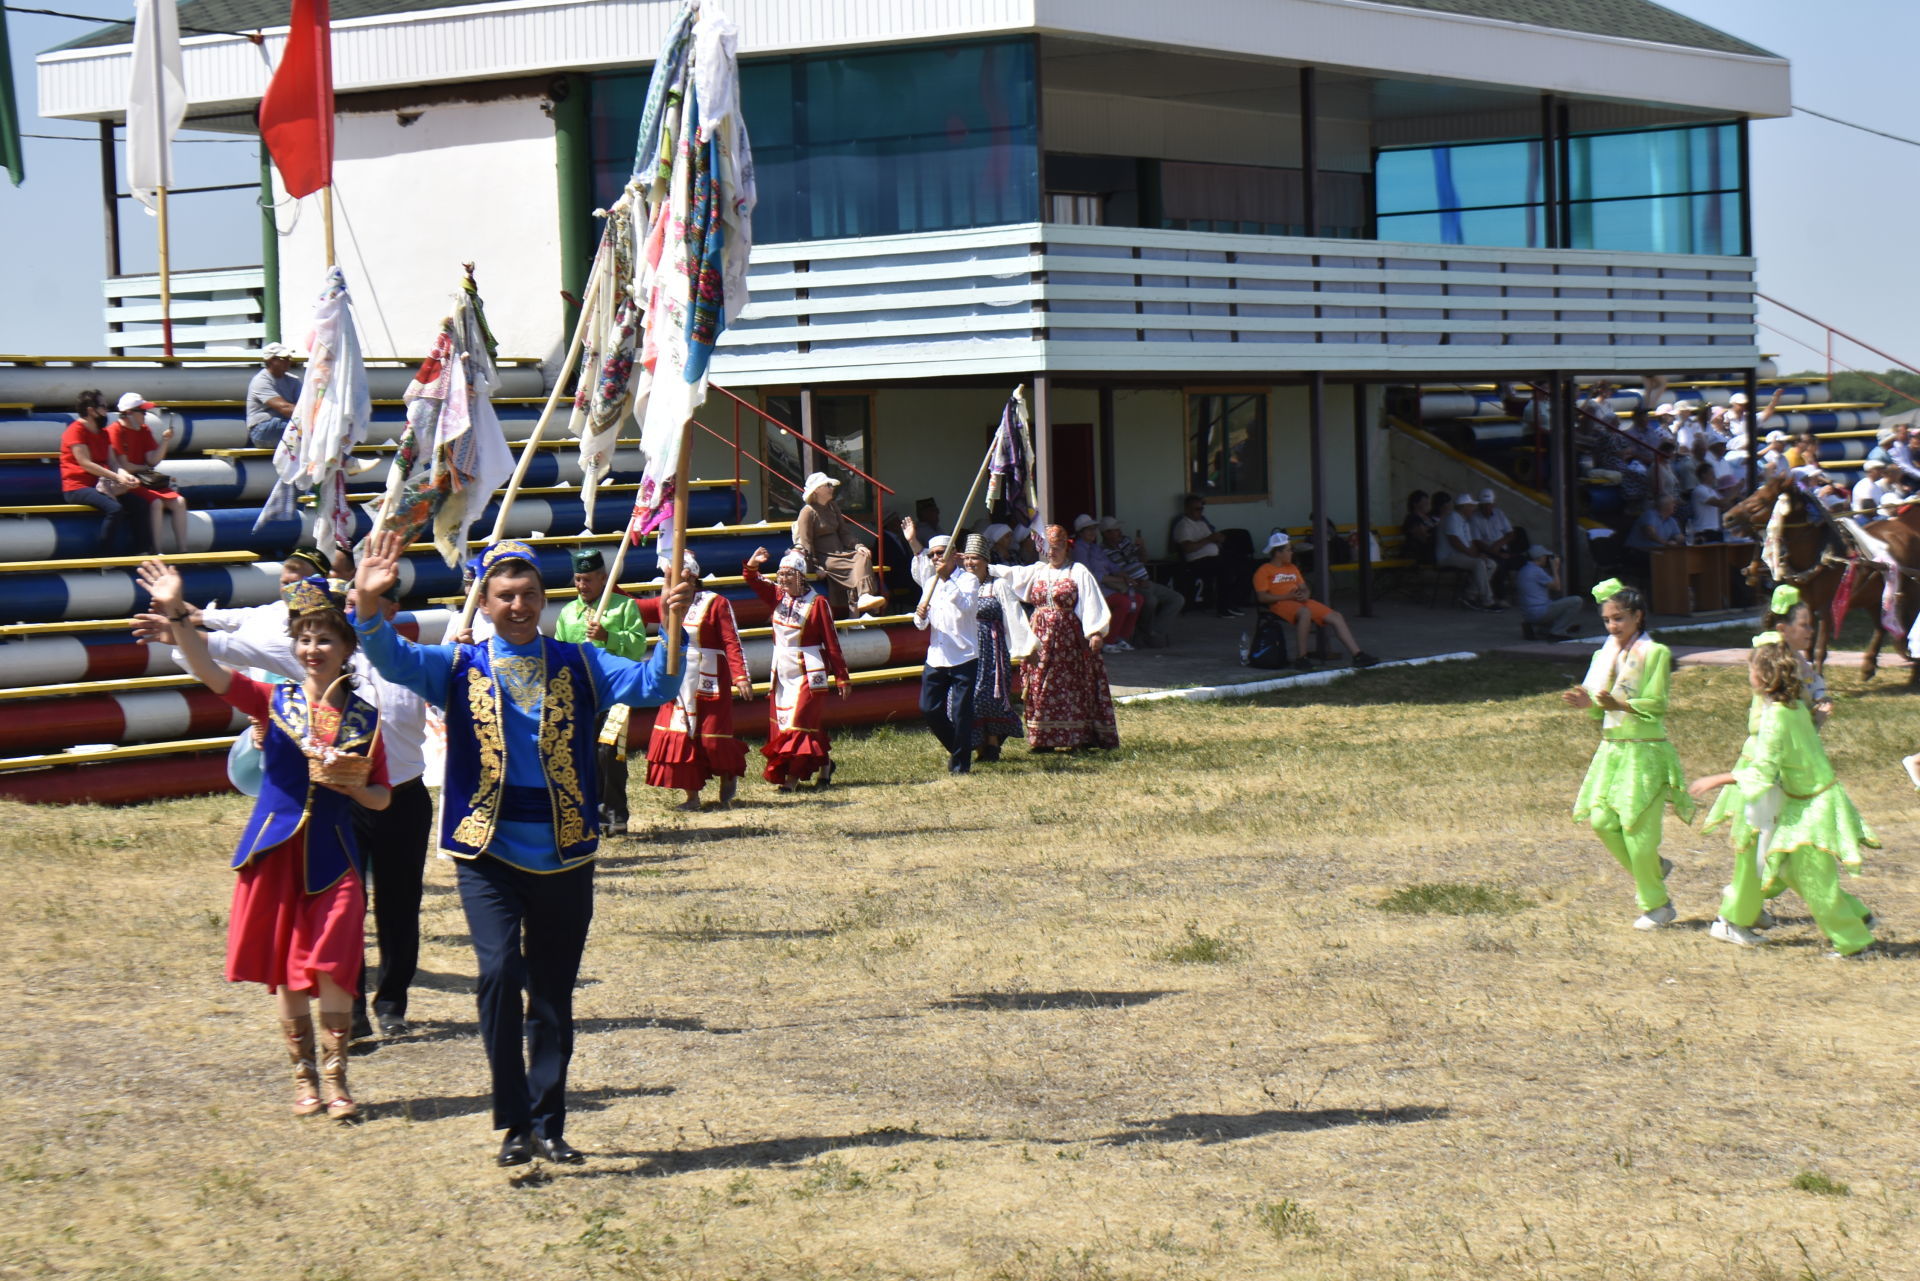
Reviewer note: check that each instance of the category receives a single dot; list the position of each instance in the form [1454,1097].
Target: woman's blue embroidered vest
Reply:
[477,795]
[289,801]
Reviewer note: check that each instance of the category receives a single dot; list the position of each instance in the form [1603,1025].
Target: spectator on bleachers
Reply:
[1159,603]
[1900,451]
[1281,587]
[271,396]
[1544,611]
[1704,505]
[136,451]
[1418,528]
[1123,602]
[1773,460]
[1657,527]
[1802,450]
[825,537]
[1495,536]
[926,518]
[1456,551]
[1199,545]
[88,475]
[1870,490]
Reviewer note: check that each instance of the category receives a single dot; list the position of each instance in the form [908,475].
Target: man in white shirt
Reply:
[949,609]
[1870,490]
[1199,546]
[1703,512]
[1455,550]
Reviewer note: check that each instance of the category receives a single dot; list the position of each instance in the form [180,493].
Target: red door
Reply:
[1073,468]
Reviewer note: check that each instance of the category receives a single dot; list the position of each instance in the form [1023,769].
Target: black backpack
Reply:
[1266,645]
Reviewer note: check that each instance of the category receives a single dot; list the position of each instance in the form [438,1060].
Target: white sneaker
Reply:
[1119,647]
[1727,932]
[867,604]
[1764,921]
[1659,916]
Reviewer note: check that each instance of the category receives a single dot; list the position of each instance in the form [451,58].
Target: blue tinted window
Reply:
[1498,173]
[868,144]
[1660,163]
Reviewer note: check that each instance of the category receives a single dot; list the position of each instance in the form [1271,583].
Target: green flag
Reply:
[10,156]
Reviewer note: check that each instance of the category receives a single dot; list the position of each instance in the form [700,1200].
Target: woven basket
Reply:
[343,770]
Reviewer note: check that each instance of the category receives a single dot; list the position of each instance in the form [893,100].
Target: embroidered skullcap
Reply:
[1769,638]
[995,532]
[976,545]
[938,541]
[1604,592]
[310,595]
[588,559]
[794,561]
[507,549]
[1785,597]
[311,556]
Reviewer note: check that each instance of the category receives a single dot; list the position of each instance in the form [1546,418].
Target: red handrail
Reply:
[739,452]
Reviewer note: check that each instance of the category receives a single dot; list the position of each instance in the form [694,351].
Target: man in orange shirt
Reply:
[1282,588]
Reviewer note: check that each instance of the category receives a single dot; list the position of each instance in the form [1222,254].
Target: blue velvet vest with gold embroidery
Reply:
[290,802]
[476,795]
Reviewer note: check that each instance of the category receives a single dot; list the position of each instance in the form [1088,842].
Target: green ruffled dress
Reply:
[1635,766]
[1815,812]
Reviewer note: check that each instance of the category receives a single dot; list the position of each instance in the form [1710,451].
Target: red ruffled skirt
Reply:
[678,759]
[282,936]
[794,755]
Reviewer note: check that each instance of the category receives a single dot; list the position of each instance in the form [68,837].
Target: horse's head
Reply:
[1748,517]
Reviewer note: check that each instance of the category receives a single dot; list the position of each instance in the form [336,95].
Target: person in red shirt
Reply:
[1281,587]
[88,475]
[136,452]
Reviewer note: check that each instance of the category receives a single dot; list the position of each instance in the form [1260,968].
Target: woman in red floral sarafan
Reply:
[1068,704]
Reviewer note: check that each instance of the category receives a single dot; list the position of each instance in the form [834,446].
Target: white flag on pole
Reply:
[156,99]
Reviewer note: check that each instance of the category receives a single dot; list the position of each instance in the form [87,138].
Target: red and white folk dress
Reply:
[692,737]
[806,651]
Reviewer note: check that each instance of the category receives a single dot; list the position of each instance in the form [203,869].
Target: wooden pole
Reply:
[953,544]
[326,219]
[166,280]
[533,442]
[670,626]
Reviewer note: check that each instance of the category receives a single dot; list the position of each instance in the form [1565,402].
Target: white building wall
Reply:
[461,182]
[1111,124]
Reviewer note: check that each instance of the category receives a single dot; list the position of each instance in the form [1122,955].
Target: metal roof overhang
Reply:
[523,37]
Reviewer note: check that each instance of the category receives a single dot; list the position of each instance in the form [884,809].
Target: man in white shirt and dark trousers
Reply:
[1454,550]
[950,610]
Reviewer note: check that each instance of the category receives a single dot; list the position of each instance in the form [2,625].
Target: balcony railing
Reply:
[213,311]
[1045,298]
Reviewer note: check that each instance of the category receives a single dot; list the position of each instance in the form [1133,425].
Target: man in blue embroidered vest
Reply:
[519,813]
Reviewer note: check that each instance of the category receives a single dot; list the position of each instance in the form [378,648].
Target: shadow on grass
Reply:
[440,1107]
[669,836]
[439,1031]
[1482,680]
[1071,999]
[728,934]
[1224,1127]
[757,1153]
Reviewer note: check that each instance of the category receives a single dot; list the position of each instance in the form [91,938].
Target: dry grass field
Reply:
[1147,1015]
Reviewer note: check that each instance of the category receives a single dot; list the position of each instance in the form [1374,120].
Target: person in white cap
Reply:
[927,557]
[1870,490]
[271,395]
[948,611]
[1773,461]
[807,662]
[1454,550]
[1544,612]
[134,450]
[825,537]
[1281,588]
[1122,602]
[1495,536]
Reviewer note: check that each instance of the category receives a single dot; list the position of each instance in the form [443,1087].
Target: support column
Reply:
[1043,447]
[1566,519]
[1363,497]
[1549,174]
[1109,466]
[808,461]
[269,248]
[574,173]
[1309,154]
[1317,473]
[110,197]
[1753,429]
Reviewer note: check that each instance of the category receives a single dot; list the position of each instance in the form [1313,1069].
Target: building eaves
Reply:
[253,15]
[1628,19]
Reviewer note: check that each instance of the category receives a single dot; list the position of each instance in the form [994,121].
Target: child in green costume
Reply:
[1635,773]
[1815,824]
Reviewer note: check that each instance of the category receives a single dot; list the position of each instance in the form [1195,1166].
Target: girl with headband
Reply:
[1815,824]
[1635,773]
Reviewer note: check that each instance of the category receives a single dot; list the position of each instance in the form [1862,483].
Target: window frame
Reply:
[868,435]
[1264,394]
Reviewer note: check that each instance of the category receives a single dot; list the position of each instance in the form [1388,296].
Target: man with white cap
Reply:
[1454,550]
[271,396]
[1543,611]
[1123,603]
[1870,490]
[1281,588]
[825,537]
[1773,461]
[949,610]
[1494,536]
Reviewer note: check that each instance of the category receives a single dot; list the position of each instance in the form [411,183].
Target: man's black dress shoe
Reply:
[559,1151]
[515,1149]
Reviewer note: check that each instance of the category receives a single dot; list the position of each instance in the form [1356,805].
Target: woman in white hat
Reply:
[806,663]
[825,537]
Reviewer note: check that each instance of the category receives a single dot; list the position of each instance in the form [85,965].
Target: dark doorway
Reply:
[1073,473]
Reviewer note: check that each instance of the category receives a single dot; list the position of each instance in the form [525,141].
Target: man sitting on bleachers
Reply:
[1122,602]
[271,396]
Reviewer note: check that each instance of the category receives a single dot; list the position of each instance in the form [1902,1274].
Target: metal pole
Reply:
[166,279]
[1317,470]
[110,197]
[269,250]
[1309,155]
[1566,519]
[1043,445]
[1363,498]
[1549,174]
[1753,429]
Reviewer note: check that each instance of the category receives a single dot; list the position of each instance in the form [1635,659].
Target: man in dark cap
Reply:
[618,629]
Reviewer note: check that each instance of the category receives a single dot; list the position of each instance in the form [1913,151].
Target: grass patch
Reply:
[1287,1220]
[1820,1185]
[1452,898]
[1196,948]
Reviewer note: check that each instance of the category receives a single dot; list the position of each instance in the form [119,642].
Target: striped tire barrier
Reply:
[195,430]
[129,783]
[144,716]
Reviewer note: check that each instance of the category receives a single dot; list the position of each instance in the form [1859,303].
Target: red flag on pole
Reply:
[296,114]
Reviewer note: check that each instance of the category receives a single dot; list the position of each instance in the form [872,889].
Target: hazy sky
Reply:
[1829,205]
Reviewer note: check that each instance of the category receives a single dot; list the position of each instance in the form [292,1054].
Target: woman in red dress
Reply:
[1068,704]
[806,662]
[299,908]
[693,735]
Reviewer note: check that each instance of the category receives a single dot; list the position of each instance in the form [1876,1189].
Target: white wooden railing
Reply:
[1036,297]
[213,311]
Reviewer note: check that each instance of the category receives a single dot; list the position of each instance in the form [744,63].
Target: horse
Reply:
[1818,556]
